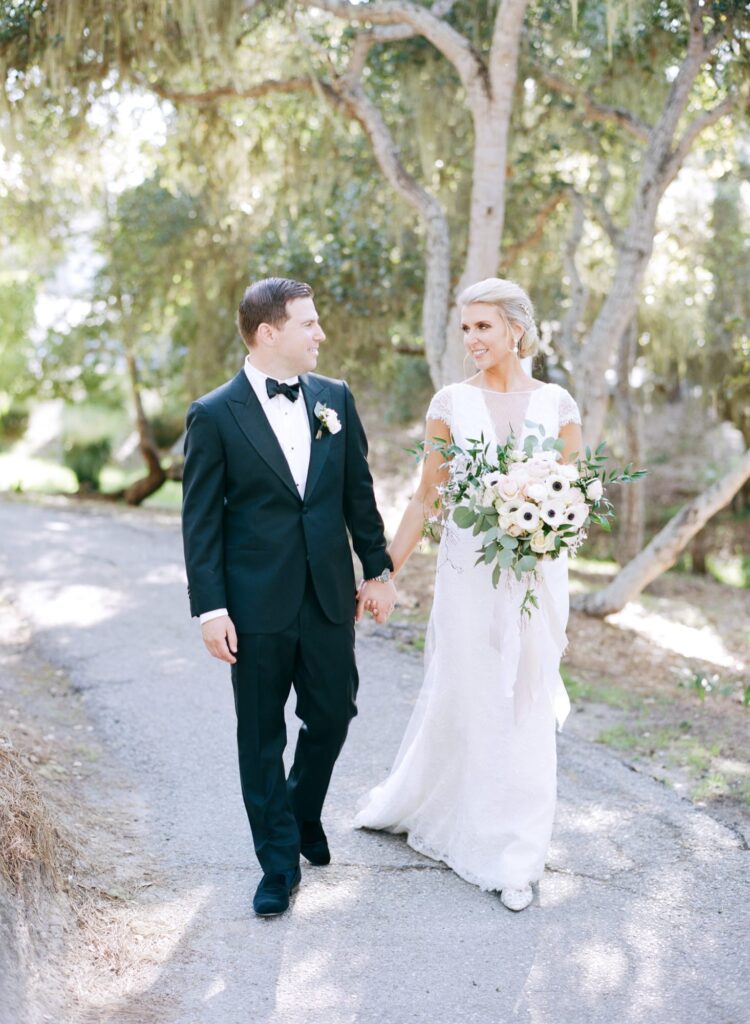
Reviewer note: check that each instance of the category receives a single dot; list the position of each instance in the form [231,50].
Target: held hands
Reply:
[378,599]
[220,638]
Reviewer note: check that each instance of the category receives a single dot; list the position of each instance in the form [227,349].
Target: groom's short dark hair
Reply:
[264,302]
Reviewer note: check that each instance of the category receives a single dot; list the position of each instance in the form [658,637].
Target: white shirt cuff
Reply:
[207,616]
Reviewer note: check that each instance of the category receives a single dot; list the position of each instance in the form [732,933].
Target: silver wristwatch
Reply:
[384,577]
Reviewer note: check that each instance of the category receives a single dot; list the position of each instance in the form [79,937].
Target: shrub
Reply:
[87,461]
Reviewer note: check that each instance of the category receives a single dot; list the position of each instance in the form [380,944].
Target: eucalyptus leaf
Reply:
[464,517]
[490,552]
[505,558]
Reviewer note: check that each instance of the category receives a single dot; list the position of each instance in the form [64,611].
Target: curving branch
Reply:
[429,210]
[543,215]
[395,33]
[704,120]
[422,21]
[594,110]
[256,91]
[345,93]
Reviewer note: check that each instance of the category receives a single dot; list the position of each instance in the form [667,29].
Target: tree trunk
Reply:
[698,552]
[659,166]
[155,477]
[491,104]
[632,500]
[491,129]
[664,549]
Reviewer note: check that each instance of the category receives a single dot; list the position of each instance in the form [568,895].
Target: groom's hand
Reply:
[220,638]
[377,598]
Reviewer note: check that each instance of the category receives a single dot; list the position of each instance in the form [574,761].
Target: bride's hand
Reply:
[379,599]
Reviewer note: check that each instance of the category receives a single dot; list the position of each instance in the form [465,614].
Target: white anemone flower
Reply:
[557,485]
[527,517]
[552,511]
[576,515]
[509,508]
[568,470]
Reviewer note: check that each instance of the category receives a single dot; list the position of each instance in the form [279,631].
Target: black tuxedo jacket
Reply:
[249,536]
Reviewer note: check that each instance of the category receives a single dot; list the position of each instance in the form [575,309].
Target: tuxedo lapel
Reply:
[315,392]
[252,421]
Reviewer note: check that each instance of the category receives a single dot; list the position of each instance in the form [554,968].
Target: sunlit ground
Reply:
[28,475]
[660,627]
[24,473]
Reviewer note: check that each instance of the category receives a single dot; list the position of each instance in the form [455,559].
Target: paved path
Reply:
[641,917]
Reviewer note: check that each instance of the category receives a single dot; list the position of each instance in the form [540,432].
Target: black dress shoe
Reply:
[314,844]
[272,895]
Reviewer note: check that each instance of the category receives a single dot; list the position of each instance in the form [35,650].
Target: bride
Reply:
[474,781]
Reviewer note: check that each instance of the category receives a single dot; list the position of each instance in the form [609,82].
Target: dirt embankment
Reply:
[62,833]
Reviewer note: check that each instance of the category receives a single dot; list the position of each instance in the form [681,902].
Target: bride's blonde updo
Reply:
[513,304]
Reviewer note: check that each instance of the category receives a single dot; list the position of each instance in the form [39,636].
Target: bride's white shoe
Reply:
[517,899]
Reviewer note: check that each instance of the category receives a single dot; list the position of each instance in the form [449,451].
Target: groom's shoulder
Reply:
[321,381]
[218,396]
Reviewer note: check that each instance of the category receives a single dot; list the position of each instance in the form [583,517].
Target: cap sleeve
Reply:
[440,406]
[568,409]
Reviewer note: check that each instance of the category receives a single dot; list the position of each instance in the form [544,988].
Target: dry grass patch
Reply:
[30,844]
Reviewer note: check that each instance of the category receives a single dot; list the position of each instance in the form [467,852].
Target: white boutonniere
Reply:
[328,420]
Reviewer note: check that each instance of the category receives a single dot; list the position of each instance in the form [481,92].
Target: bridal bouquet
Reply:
[523,504]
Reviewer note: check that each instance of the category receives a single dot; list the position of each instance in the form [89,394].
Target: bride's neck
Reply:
[505,377]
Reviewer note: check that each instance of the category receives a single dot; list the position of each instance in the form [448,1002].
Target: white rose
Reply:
[517,455]
[572,497]
[594,490]
[536,491]
[514,530]
[489,497]
[333,422]
[539,542]
[508,488]
[537,468]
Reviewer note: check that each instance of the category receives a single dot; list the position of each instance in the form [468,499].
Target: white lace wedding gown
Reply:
[474,782]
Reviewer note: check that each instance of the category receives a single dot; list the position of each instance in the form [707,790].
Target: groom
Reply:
[275,474]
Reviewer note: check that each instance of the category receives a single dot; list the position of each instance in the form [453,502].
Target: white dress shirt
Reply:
[290,424]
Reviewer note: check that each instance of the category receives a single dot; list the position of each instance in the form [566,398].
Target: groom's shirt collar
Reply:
[257,379]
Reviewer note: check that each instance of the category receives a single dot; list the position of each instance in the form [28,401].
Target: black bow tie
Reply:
[274,387]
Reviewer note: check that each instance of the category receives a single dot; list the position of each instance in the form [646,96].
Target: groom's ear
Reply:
[264,335]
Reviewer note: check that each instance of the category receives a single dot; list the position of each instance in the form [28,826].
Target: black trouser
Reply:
[315,656]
